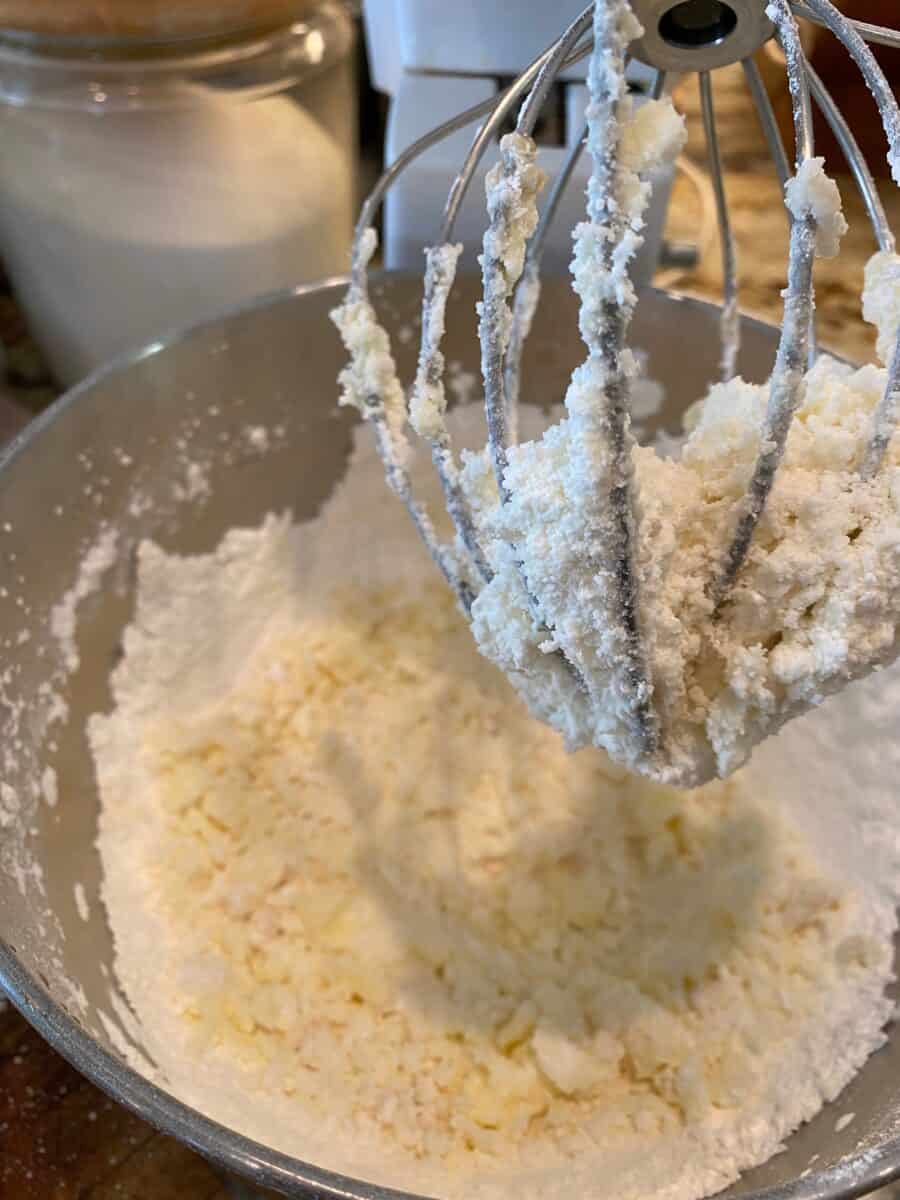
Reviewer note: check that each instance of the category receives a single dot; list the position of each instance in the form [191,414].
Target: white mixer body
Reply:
[435,59]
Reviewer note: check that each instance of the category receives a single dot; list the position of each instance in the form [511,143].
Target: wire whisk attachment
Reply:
[671,613]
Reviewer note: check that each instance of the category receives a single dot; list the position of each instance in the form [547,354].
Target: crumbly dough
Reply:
[881,300]
[815,606]
[587,533]
[370,912]
[810,190]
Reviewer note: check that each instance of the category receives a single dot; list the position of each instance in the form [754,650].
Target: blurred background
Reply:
[163,159]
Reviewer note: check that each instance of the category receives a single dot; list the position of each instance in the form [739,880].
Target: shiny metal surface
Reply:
[272,364]
[699,35]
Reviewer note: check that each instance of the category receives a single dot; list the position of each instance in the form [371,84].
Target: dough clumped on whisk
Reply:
[673,613]
[815,606]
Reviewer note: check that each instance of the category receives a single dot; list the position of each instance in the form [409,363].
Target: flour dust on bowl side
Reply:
[212,432]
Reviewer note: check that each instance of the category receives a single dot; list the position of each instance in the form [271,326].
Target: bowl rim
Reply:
[262,1166]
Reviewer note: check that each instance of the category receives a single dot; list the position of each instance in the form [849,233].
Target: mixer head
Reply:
[699,35]
[690,35]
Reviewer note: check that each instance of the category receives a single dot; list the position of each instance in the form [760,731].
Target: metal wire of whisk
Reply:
[679,37]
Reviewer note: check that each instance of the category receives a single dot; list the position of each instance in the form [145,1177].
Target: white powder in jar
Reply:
[121,226]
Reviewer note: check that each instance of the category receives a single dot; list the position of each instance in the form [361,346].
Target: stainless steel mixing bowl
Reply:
[115,450]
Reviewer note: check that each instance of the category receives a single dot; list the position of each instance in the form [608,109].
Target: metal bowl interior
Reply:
[116,451]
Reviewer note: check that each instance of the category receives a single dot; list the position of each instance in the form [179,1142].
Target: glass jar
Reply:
[153,172]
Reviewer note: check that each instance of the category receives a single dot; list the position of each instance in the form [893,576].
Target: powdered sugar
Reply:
[267,590]
[96,562]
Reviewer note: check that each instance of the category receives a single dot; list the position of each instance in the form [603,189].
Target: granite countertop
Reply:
[760,226]
[62,1139]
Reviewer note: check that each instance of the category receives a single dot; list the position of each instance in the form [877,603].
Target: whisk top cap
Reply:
[699,35]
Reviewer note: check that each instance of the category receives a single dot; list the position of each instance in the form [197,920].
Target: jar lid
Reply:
[157,20]
[115,55]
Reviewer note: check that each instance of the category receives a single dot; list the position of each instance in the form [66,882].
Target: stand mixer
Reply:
[257,353]
[430,62]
